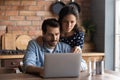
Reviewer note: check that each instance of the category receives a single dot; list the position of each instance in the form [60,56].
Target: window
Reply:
[117,36]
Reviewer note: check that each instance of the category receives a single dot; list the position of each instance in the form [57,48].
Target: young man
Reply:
[34,57]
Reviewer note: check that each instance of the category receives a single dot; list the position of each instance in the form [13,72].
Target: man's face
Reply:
[51,36]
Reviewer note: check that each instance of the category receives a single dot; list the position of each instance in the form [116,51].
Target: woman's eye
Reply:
[72,21]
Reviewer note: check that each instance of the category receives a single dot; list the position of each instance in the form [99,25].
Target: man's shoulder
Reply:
[63,44]
[32,42]
[63,47]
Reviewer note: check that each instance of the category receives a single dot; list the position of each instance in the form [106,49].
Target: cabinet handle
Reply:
[13,63]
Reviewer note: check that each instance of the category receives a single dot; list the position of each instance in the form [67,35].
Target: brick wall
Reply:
[25,16]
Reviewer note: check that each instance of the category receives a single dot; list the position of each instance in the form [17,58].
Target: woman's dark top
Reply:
[77,39]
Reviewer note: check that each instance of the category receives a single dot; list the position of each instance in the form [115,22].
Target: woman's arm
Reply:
[76,49]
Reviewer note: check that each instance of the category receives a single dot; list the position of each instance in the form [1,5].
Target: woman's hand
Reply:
[77,49]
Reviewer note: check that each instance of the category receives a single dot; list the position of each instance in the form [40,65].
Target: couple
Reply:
[34,58]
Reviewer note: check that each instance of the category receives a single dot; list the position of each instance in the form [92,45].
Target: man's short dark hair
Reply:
[52,22]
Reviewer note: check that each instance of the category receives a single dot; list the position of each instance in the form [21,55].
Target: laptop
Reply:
[61,65]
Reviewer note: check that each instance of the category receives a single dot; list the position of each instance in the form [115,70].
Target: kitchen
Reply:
[25,16]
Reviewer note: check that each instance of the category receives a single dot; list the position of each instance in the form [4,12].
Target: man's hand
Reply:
[35,70]
[41,73]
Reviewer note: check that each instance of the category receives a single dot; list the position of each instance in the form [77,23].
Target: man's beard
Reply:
[51,44]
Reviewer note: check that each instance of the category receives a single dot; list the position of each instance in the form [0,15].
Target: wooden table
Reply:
[108,75]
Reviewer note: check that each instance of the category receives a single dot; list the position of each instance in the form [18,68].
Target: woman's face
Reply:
[68,23]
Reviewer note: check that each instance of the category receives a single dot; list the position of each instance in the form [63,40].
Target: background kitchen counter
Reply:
[14,60]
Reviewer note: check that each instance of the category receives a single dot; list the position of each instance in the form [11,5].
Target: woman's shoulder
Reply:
[79,33]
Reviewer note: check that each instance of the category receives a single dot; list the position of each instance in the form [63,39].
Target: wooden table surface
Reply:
[108,75]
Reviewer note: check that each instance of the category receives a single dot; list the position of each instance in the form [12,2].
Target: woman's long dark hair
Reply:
[70,10]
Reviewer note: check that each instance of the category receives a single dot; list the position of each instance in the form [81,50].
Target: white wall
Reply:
[117,35]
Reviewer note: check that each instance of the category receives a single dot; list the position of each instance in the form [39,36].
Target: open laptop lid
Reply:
[62,65]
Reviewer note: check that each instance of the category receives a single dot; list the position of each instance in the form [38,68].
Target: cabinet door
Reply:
[10,63]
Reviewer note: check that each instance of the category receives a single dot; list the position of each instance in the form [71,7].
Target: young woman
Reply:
[71,31]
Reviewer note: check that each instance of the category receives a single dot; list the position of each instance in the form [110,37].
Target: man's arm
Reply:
[83,65]
[34,70]
[30,59]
